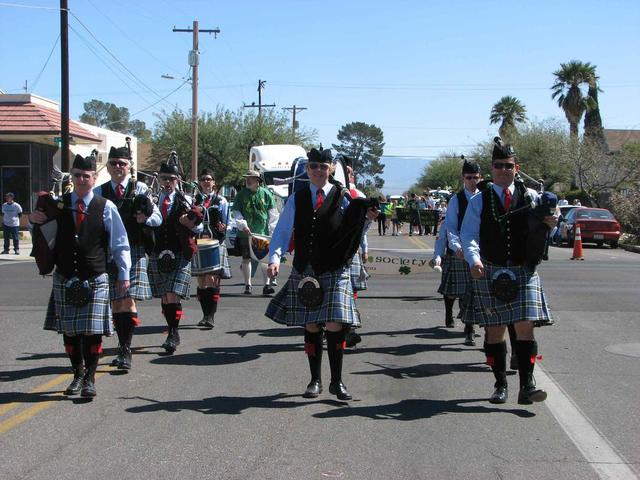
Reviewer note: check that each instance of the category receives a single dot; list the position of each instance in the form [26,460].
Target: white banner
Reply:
[383,261]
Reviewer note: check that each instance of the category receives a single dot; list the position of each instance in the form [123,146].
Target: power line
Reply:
[35,7]
[35,82]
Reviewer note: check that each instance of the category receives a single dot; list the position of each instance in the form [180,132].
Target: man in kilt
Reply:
[327,227]
[215,211]
[506,288]
[456,279]
[175,245]
[137,212]
[88,228]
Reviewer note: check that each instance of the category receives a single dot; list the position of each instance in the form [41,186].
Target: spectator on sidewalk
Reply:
[11,211]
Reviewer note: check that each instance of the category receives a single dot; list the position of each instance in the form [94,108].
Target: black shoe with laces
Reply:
[340,390]
[76,384]
[500,395]
[313,389]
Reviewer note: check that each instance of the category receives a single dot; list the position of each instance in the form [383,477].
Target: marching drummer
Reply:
[215,210]
[137,212]
[254,209]
[327,228]
[170,262]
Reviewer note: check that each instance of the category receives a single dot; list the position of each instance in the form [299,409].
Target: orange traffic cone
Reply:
[577,245]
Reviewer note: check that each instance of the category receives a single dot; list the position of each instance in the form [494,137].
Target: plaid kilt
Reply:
[358,273]
[338,305]
[92,319]
[51,319]
[140,288]
[456,276]
[530,304]
[178,281]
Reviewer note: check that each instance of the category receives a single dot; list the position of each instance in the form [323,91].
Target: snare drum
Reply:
[207,258]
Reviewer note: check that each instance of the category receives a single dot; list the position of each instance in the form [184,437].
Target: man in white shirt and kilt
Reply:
[456,279]
[88,227]
[327,227]
[138,214]
[507,290]
[175,245]
[215,211]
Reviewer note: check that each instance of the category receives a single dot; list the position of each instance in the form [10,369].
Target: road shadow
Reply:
[216,356]
[435,333]
[270,332]
[419,409]
[223,405]
[15,375]
[24,397]
[424,370]
[408,349]
[41,356]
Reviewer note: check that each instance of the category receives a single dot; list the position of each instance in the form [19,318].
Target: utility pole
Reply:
[194,60]
[261,84]
[64,86]
[294,122]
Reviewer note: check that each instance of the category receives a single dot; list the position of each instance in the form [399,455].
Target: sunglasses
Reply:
[506,166]
[206,179]
[322,166]
[115,163]
[85,176]
[472,177]
[167,179]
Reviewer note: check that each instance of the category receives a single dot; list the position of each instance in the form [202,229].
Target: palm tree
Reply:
[593,130]
[508,111]
[569,78]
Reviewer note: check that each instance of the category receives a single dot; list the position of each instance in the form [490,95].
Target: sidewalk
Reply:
[25,250]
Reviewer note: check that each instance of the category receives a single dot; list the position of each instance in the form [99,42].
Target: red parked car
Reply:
[597,225]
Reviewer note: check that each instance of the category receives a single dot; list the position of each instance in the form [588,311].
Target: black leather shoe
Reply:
[126,358]
[352,339]
[202,322]
[313,389]
[340,391]
[268,290]
[208,324]
[449,322]
[500,395]
[76,384]
[169,344]
[469,339]
[88,387]
[531,394]
[117,361]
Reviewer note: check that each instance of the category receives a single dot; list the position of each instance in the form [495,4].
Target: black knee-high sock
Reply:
[127,322]
[204,296]
[513,336]
[215,298]
[178,314]
[91,350]
[448,306]
[73,347]
[169,311]
[496,354]
[313,349]
[527,352]
[335,350]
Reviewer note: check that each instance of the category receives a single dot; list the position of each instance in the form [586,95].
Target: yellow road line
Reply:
[32,411]
[42,388]
[418,242]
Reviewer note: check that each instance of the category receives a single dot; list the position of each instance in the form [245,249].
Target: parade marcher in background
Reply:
[175,245]
[414,215]
[11,211]
[254,209]
[327,229]
[456,279]
[138,214]
[506,288]
[382,219]
[87,225]
[215,210]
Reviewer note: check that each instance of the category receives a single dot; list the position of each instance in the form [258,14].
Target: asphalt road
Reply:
[228,404]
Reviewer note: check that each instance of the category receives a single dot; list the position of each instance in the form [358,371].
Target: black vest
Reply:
[462,207]
[167,232]
[125,209]
[504,241]
[316,232]
[83,255]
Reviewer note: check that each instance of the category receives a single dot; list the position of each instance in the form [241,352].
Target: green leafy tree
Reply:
[364,144]
[569,78]
[593,129]
[224,140]
[508,112]
[110,116]
[443,172]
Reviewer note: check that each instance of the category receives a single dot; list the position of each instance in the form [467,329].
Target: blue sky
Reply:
[426,72]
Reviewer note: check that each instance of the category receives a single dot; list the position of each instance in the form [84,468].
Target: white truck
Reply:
[275,161]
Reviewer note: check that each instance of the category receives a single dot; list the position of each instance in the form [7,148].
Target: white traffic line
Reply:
[598,451]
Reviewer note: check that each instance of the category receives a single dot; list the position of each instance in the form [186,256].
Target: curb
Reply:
[630,248]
